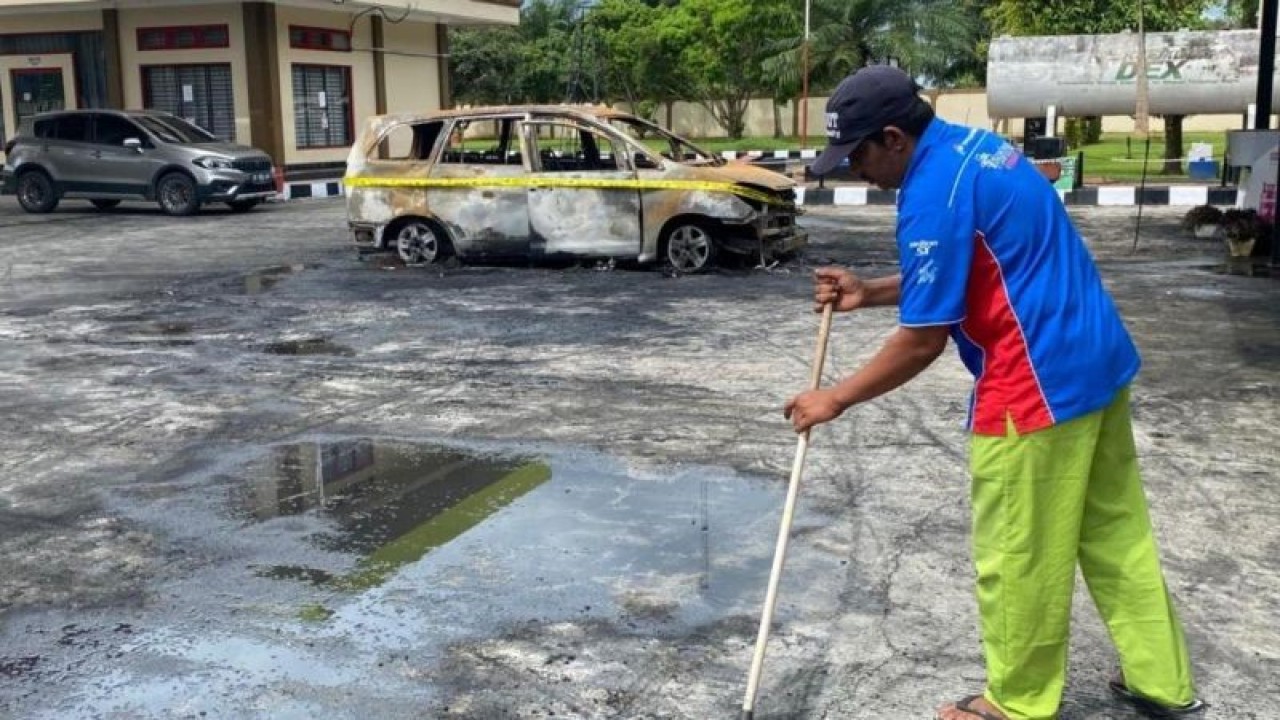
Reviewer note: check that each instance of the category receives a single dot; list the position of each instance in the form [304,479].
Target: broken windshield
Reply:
[669,145]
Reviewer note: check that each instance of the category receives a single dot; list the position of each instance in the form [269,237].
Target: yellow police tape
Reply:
[574,182]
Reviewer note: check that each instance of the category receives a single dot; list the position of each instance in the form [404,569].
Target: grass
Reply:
[1116,158]
[1120,157]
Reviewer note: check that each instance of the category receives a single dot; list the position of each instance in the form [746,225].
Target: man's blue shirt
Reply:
[987,248]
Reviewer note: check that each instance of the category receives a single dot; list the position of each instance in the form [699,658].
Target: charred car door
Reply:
[486,213]
[583,200]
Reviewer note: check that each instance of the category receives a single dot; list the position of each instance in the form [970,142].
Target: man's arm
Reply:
[904,355]
[883,291]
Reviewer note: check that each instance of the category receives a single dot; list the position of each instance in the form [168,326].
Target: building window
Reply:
[313,38]
[200,94]
[183,37]
[322,105]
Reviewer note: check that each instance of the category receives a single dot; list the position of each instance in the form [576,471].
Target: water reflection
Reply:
[267,278]
[389,503]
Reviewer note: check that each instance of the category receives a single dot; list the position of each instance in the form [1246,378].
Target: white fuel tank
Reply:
[1188,73]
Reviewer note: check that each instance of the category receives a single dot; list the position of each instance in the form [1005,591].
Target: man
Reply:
[990,259]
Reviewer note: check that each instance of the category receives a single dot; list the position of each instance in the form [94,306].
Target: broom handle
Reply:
[784,532]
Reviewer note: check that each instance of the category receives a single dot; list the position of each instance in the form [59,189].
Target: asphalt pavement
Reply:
[249,474]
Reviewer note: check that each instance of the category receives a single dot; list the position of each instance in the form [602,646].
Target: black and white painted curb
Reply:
[1102,195]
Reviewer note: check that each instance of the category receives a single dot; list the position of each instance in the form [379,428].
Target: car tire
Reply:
[689,247]
[36,193]
[176,194]
[420,242]
[105,204]
[243,205]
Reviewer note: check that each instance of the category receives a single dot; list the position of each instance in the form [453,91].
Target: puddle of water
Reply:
[379,549]
[390,504]
[267,278]
[511,529]
[307,346]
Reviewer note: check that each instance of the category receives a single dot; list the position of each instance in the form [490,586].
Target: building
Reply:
[293,77]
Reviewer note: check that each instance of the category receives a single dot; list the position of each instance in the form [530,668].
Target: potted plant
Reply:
[1203,221]
[1241,230]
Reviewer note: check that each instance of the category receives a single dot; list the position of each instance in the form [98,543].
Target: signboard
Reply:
[1067,180]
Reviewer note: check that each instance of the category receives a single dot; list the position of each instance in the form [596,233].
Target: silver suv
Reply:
[107,156]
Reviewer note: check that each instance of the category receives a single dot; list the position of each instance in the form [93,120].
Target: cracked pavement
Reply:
[177,391]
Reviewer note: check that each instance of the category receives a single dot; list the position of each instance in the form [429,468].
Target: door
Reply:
[576,218]
[36,90]
[121,170]
[490,219]
[67,151]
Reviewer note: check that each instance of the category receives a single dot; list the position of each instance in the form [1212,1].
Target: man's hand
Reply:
[839,287]
[812,407]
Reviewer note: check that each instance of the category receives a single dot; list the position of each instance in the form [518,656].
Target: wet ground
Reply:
[247,475]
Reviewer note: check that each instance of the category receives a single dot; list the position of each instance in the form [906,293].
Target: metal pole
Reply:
[1142,113]
[1262,117]
[804,81]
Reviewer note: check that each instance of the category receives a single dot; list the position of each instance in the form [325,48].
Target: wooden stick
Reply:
[784,532]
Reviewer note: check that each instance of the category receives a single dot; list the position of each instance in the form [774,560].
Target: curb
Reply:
[853,195]
[1102,196]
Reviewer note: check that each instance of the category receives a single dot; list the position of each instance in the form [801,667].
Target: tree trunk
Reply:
[777,119]
[1172,145]
[795,117]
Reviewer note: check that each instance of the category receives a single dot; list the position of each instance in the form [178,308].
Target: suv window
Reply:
[74,128]
[174,130]
[113,130]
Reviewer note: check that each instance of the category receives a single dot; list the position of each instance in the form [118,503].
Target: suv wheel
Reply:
[177,194]
[36,193]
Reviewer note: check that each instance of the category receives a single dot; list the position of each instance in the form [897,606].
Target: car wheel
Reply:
[176,194]
[105,204]
[689,248]
[418,242]
[243,205]
[36,193]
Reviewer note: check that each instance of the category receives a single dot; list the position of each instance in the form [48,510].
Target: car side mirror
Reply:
[133,143]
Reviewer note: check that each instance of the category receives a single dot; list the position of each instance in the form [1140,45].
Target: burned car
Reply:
[537,182]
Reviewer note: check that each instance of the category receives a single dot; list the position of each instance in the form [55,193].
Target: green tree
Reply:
[722,47]
[930,38]
[512,65]
[636,62]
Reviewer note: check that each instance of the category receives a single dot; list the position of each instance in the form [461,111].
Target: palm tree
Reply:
[936,39]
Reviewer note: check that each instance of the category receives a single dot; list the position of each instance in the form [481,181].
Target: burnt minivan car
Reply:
[535,182]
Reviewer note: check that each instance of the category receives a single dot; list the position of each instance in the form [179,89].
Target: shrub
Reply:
[1201,215]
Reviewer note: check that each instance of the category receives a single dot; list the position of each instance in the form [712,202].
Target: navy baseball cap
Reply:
[863,104]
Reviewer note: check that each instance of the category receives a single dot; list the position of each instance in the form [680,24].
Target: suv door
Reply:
[64,144]
[124,171]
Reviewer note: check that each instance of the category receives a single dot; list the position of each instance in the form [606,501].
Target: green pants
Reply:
[1041,503]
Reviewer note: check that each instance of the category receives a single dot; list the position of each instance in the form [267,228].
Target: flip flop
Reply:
[965,705]
[1151,708]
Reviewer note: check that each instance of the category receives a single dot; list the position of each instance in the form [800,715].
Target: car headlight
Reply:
[213,163]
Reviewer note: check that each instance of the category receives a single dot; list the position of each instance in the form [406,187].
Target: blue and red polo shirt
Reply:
[987,248]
